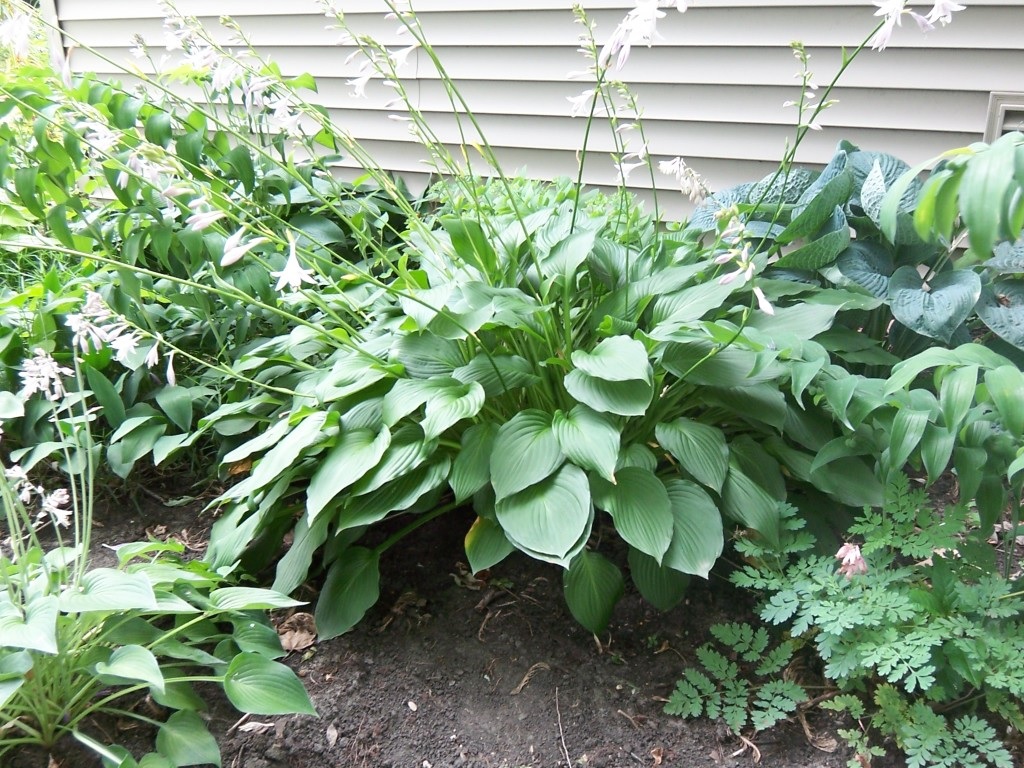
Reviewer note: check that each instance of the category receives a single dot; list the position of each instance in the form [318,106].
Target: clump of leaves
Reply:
[743,683]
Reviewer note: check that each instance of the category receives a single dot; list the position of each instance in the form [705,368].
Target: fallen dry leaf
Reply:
[658,754]
[254,727]
[332,735]
[297,632]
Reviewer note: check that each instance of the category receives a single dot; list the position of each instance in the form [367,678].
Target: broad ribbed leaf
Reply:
[107,589]
[256,636]
[823,249]
[176,402]
[283,455]
[400,493]
[566,256]
[249,599]
[293,567]
[497,374]
[548,517]
[12,406]
[525,452]
[907,431]
[639,505]
[936,450]
[697,537]
[747,502]
[35,630]
[409,394]
[407,451]
[472,467]
[588,439]
[486,545]
[661,586]
[687,306]
[813,213]
[700,449]
[869,265]
[940,310]
[14,665]
[593,586]
[131,664]
[1001,308]
[618,358]
[356,453]
[729,367]
[1008,258]
[623,398]
[1006,389]
[450,405]
[350,590]
[261,686]
[184,740]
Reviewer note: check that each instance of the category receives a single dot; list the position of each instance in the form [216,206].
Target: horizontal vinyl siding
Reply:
[711,90]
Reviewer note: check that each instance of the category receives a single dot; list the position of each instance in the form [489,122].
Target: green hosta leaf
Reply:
[131,664]
[699,448]
[282,456]
[623,398]
[407,451]
[486,545]
[639,505]
[176,402]
[802,321]
[697,535]
[35,630]
[747,502]
[568,254]
[497,374]
[823,249]
[1001,308]
[11,406]
[400,493]
[618,358]
[688,305]
[956,393]
[728,367]
[939,311]
[185,740]
[451,405]
[260,686]
[593,586]
[1006,389]
[986,179]
[471,470]
[936,450]
[470,243]
[407,395]
[107,589]
[256,636]
[350,590]
[661,586]
[14,665]
[588,439]
[525,452]
[869,265]
[249,599]
[293,567]
[549,517]
[106,396]
[907,430]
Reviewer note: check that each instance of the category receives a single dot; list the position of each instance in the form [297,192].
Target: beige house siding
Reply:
[711,90]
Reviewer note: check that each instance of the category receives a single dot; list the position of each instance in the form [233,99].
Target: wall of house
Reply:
[712,90]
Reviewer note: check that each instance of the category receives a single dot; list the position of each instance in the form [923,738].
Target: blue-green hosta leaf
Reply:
[589,440]
[868,264]
[705,219]
[11,406]
[471,469]
[700,449]
[1006,389]
[408,449]
[623,398]
[400,493]
[812,214]
[548,518]
[801,321]
[424,355]
[823,249]
[350,590]
[293,567]
[184,740]
[497,374]
[525,452]
[486,545]
[407,395]
[939,311]
[593,586]
[249,599]
[282,456]
[1001,308]
[356,453]
[1008,258]
[661,586]
[697,534]
[640,507]
[747,502]
[568,254]
[732,366]
[14,665]
[35,629]
[451,405]
[107,589]
[131,664]
[689,305]
[618,358]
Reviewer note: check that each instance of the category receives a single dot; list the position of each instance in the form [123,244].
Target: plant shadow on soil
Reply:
[439,675]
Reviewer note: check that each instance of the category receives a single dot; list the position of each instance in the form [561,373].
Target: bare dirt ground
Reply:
[445,672]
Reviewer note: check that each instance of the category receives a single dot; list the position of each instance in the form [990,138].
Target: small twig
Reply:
[805,705]
[747,744]
[241,721]
[561,733]
[529,674]
[488,617]
[631,718]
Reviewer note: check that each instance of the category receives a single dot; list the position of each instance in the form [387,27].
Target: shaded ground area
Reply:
[446,671]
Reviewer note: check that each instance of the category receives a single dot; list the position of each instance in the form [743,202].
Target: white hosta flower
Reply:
[255,91]
[284,117]
[691,183]
[16,34]
[359,84]
[623,169]
[87,336]
[202,58]
[893,11]
[153,356]
[639,27]
[201,220]
[226,73]
[54,506]
[172,377]
[100,138]
[235,249]
[401,56]
[41,373]
[124,346]
[293,275]
[762,301]
[942,12]
[581,104]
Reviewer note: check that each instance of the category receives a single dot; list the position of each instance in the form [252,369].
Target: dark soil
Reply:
[499,675]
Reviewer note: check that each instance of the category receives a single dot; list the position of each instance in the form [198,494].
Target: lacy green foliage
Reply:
[929,623]
[743,688]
